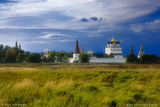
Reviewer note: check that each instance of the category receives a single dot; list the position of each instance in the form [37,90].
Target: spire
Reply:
[142,48]
[19,46]
[16,45]
[76,51]
[82,49]
[113,40]
[131,50]
[141,52]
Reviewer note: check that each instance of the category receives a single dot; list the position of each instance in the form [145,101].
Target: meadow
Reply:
[85,85]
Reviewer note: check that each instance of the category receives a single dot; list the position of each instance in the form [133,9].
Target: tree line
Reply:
[17,55]
[144,59]
[60,56]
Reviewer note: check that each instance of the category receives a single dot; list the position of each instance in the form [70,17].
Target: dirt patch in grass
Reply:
[17,69]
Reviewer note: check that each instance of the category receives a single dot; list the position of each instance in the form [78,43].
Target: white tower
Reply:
[141,52]
[113,48]
[76,53]
[47,53]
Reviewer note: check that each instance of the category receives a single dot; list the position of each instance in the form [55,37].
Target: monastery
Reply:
[113,48]
[113,53]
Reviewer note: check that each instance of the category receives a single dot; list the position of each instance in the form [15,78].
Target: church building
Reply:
[76,53]
[47,53]
[141,52]
[113,48]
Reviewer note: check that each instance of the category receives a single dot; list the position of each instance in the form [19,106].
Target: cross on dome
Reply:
[113,40]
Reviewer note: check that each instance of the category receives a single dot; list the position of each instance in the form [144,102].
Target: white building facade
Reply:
[113,48]
[75,54]
[107,60]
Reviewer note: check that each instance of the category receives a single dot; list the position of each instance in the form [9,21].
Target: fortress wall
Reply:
[107,60]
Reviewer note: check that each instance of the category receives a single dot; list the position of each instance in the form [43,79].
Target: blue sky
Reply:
[57,24]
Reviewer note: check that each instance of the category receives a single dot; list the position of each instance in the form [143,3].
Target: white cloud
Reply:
[149,26]
[67,40]
[56,36]
[112,11]
[48,36]
[136,28]
[34,7]
[38,42]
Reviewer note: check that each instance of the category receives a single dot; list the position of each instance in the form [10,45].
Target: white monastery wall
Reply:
[107,60]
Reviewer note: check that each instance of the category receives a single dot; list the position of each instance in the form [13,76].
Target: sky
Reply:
[57,24]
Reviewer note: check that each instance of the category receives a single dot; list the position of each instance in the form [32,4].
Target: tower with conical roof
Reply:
[82,49]
[141,52]
[20,47]
[131,50]
[16,48]
[76,53]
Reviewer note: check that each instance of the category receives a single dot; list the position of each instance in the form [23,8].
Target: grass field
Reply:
[36,85]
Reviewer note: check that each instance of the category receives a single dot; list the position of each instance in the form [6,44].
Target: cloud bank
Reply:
[111,11]
[56,22]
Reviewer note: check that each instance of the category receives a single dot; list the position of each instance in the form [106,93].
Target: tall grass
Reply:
[37,85]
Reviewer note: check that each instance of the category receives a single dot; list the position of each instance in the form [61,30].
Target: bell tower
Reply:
[141,52]
[76,53]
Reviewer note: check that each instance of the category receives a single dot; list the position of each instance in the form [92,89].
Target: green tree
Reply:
[20,58]
[34,58]
[10,56]
[69,54]
[99,55]
[6,48]
[131,58]
[44,59]
[111,56]
[148,58]
[52,57]
[60,56]
[158,59]
[66,56]
[84,58]
[1,52]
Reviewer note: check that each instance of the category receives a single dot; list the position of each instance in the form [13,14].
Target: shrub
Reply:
[10,55]
[148,58]
[34,58]
[131,58]
[124,78]
[20,58]
[112,103]
[84,58]
[137,97]
[89,88]
[99,55]
[109,79]
[158,59]
[51,57]
[60,56]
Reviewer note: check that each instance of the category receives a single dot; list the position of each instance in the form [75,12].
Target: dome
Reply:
[113,40]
